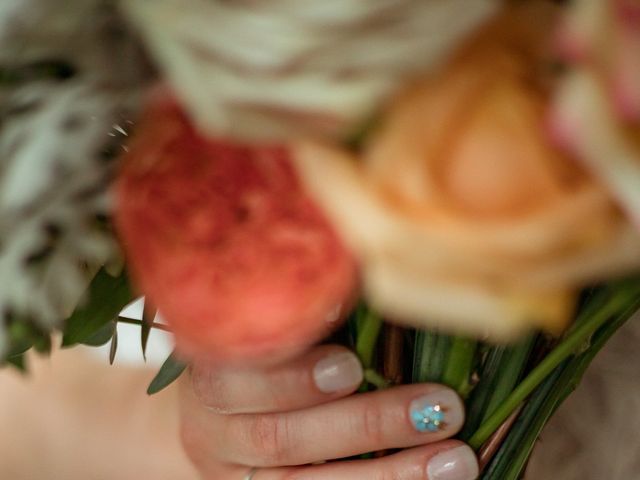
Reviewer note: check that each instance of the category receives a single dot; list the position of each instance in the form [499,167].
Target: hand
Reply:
[283,419]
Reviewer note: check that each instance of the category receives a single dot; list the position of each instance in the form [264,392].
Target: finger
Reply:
[325,373]
[450,460]
[396,418]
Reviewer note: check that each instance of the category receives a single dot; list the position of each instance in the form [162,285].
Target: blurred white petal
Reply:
[275,69]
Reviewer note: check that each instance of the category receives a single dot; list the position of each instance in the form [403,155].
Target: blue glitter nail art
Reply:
[428,419]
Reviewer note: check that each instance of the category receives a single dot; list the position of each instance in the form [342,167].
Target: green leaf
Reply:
[171,369]
[42,344]
[102,335]
[494,364]
[114,347]
[515,362]
[105,298]
[430,356]
[19,362]
[148,316]
[24,335]
[20,346]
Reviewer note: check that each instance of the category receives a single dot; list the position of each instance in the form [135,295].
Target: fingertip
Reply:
[337,371]
[440,409]
[458,462]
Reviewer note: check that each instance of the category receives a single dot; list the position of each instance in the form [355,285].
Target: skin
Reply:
[278,420]
[75,417]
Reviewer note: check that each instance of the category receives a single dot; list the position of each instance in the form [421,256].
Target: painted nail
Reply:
[337,372]
[439,410]
[456,464]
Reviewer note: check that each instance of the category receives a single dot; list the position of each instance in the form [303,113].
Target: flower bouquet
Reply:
[451,189]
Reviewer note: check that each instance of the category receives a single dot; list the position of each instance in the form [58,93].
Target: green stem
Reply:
[133,321]
[522,436]
[492,366]
[569,346]
[425,344]
[457,372]
[514,453]
[375,379]
[510,373]
[369,325]
[430,356]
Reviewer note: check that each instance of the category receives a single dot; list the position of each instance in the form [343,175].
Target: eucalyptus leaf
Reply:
[105,298]
[148,316]
[24,335]
[18,347]
[102,335]
[19,362]
[171,369]
[114,347]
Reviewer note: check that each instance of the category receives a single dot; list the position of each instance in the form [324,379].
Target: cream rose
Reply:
[462,214]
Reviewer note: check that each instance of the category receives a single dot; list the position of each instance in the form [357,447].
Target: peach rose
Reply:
[462,214]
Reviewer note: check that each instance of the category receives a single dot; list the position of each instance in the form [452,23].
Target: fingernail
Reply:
[459,463]
[339,371]
[440,410]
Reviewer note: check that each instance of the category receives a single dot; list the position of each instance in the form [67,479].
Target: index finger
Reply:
[325,373]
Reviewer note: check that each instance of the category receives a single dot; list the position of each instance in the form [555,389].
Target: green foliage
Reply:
[19,362]
[148,316]
[170,371]
[114,347]
[460,364]
[432,350]
[504,383]
[553,380]
[23,336]
[500,372]
[102,335]
[106,297]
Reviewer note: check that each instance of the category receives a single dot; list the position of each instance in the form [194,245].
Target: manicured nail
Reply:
[456,464]
[439,410]
[337,372]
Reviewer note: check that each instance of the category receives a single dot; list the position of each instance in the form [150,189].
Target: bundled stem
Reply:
[617,300]
[547,397]
[501,398]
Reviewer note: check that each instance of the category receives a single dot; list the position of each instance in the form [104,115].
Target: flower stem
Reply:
[375,379]
[574,342]
[514,453]
[510,374]
[133,321]
[459,366]
[430,356]
[369,326]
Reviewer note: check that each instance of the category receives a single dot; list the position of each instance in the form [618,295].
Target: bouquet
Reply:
[458,205]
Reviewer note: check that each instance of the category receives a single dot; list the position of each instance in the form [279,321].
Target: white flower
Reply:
[271,69]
